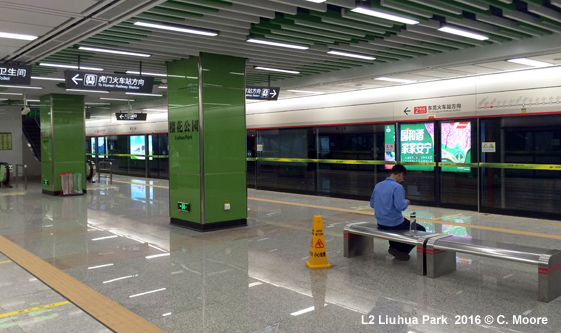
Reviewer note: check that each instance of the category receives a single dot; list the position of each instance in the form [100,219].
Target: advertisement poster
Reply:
[417,145]
[389,142]
[456,145]
[138,147]
[100,147]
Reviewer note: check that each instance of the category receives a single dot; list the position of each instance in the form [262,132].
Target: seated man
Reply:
[388,201]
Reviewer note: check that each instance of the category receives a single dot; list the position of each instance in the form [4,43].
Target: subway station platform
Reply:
[110,260]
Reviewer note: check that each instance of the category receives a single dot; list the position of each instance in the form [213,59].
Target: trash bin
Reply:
[66,183]
[78,183]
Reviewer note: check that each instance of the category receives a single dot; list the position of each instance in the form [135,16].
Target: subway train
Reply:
[488,143]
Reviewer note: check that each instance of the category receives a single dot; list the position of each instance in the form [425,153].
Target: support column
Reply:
[207,142]
[62,140]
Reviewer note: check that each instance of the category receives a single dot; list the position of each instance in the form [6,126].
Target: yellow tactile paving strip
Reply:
[106,311]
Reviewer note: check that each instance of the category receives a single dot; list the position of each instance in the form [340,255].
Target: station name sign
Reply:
[15,74]
[134,116]
[262,93]
[105,81]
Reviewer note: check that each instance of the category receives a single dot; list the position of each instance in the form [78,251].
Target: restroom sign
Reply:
[488,147]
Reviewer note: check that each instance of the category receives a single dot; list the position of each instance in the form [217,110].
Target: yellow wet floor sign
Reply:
[318,252]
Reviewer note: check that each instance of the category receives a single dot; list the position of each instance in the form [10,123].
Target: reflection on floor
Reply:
[117,240]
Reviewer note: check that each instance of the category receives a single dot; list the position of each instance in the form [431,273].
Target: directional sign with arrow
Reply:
[262,93]
[406,111]
[84,80]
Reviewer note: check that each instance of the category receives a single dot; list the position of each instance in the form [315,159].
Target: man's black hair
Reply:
[398,168]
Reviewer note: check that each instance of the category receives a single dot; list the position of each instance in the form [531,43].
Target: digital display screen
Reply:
[389,143]
[417,145]
[456,145]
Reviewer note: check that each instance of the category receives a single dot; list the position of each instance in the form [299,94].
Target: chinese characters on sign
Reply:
[262,93]
[445,108]
[417,144]
[15,74]
[183,126]
[5,141]
[110,82]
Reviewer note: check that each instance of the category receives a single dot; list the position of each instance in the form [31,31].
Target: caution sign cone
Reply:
[318,252]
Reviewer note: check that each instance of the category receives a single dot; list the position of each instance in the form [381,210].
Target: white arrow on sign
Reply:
[121,116]
[274,93]
[75,78]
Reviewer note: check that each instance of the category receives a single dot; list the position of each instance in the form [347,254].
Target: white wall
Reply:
[506,93]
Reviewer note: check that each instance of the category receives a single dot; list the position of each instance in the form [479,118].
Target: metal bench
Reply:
[359,236]
[441,259]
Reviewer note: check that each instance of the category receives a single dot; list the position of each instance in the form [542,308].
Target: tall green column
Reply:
[207,181]
[62,142]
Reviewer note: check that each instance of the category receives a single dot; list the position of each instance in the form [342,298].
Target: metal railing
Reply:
[22,174]
[100,169]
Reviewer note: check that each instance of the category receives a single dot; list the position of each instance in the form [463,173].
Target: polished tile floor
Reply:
[117,240]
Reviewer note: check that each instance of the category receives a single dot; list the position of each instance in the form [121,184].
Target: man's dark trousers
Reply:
[403,226]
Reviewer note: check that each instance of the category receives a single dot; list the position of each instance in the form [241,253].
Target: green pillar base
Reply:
[209,226]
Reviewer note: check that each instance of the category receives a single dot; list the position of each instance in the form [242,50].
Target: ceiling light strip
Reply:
[185,29]
[463,33]
[351,55]
[267,42]
[378,14]
[276,70]
[129,53]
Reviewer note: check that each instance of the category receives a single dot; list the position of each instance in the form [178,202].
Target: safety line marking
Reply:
[152,185]
[9,314]
[510,231]
[4,262]
[355,211]
[443,217]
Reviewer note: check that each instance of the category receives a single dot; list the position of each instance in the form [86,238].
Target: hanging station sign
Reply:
[15,74]
[133,116]
[262,93]
[110,82]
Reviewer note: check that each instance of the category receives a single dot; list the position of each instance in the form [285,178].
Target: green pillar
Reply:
[206,97]
[62,141]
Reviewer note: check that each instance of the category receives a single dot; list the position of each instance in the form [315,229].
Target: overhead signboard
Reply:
[134,116]
[15,74]
[111,82]
[262,93]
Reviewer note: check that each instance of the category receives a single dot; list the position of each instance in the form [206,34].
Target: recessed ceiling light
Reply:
[266,42]
[276,70]
[34,100]
[375,13]
[70,66]
[142,94]
[95,49]
[189,30]
[17,36]
[317,1]
[156,110]
[90,91]
[12,94]
[46,78]
[462,33]
[394,80]
[20,87]
[530,62]
[147,73]
[94,103]
[162,87]
[351,55]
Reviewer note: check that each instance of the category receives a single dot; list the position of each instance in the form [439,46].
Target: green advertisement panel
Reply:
[417,145]
[389,145]
[455,145]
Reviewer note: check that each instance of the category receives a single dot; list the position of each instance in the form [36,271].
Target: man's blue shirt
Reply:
[388,201]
